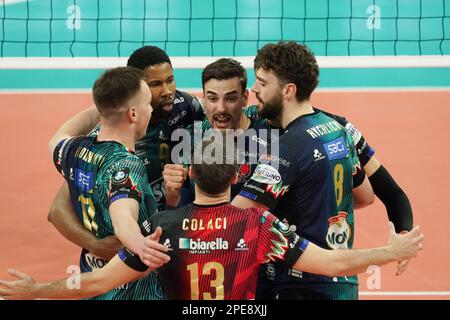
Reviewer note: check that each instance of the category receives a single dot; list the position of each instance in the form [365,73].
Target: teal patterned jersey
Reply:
[310,184]
[99,173]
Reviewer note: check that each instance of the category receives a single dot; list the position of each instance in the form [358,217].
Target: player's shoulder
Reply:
[342,120]
[251,111]
[125,161]
[186,99]
[69,145]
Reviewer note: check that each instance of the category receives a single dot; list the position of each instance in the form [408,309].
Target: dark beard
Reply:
[161,113]
[271,110]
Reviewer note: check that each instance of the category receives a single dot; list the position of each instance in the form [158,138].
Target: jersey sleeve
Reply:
[127,180]
[363,149]
[60,154]
[272,177]
[276,242]
[358,173]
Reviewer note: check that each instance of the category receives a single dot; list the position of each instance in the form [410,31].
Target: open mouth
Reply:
[222,121]
[168,106]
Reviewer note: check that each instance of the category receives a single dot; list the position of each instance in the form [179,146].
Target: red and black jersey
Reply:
[216,250]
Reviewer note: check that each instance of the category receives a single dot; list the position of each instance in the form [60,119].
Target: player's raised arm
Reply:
[174,177]
[80,124]
[345,262]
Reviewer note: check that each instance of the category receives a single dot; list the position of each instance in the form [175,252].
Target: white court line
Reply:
[404,293]
[44,91]
[8,2]
[382,89]
[350,89]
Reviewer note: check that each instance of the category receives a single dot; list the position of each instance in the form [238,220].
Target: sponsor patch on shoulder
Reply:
[120,176]
[336,149]
[282,226]
[266,174]
[355,133]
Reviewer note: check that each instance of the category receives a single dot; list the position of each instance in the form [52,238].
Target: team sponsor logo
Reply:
[162,136]
[318,155]
[267,158]
[282,226]
[277,190]
[295,241]
[264,217]
[244,171]
[241,246]
[147,226]
[84,180]
[167,244]
[259,140]
[179,116]
[202,247]
[355,133]
[94,262]
[178,100]
[120,176]
[266,174]
[339,231]
[336,149]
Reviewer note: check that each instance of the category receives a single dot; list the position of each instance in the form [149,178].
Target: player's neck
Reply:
[292,110]
[204,198]
[123,136]
[244,122]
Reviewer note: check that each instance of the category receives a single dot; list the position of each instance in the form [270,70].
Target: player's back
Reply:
[96,173]
[214,251]
[319,201]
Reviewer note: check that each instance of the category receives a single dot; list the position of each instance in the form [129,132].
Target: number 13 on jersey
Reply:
[216,283]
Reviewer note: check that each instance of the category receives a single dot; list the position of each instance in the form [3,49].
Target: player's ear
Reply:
[289,90]
[191,173]
[132,115]
[234,178]
[246,97]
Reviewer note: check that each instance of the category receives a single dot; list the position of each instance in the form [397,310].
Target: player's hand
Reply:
[403,264]
[106,248]
[22,289]
[174,177]
[401,267]
[405,246]
[154,252]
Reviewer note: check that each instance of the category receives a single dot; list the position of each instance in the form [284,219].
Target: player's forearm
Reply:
[87,285]
[173,198]
[80,124]
[128,232]
[351,262]
[397,204]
